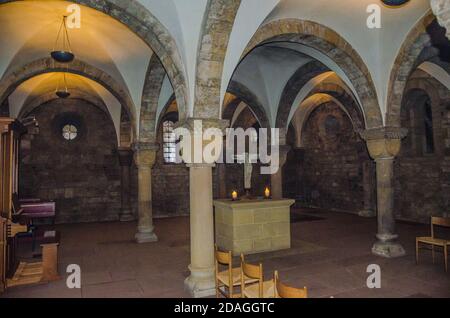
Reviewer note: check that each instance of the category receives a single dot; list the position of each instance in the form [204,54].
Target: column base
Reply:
[388,249]
[146,237]
[201,283]
[367,213]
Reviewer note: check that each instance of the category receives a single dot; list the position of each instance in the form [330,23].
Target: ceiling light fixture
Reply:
[394,3]
[64,54]
[62,93]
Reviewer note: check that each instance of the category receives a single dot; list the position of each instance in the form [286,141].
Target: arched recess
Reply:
[216,29]
[345,100]
[150,96]
[124,132]
[144,24]
[47,65]
[404,65]
[307,107]
[243,94]
[332,45]
[417,90]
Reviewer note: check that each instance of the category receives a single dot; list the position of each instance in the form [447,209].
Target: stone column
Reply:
[145,157]
[383,145]
[125,160]
[222,179]
[368,188]
[276,180]
[201,281]
[441,9]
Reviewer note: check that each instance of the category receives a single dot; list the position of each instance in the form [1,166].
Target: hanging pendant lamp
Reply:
[64,54]
[394,3]
[62,93]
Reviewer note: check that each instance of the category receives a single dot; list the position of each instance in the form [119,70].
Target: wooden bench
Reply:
[39,272]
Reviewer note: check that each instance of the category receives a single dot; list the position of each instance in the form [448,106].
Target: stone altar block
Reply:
[253,226]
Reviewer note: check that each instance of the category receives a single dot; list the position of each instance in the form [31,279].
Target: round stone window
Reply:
[70,132]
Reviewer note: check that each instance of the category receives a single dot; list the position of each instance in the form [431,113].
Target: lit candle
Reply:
[267,193]
[234,195]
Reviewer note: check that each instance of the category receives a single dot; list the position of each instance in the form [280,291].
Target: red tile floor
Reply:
[329,256]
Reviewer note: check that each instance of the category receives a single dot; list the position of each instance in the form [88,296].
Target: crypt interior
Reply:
[363,116]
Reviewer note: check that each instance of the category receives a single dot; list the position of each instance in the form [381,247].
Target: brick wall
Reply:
[83,175]
[327,172]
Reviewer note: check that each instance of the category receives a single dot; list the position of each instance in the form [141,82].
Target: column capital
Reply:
[384,142]
[125,156]
[193,150]
[145,154]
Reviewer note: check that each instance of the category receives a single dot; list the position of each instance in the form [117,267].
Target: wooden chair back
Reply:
[224,259]
[439,221]
[284,291]
[253,272]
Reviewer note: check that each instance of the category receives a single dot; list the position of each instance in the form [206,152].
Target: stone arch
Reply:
[30,105]
[216,29]
[312,102]
[404,65]
[416,90]
[330,43]
[47,65]
[244,94]
[300,78]
[345,99]
[164,111]
[154,80]
[145,25]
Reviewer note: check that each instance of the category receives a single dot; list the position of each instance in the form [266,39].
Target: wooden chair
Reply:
[261,288]
[229,278]
[433,241]
[284,291]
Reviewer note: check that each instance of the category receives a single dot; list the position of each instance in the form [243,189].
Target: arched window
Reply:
[417,116]
[428,118]
[169,142]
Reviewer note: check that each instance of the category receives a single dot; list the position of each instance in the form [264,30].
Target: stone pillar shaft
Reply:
[201,281]
[368,189]
[385,198]
[126,159]
[276,179]
[383,145]
[222,174]
[145,157]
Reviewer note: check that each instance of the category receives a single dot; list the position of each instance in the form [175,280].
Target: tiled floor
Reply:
[329,256]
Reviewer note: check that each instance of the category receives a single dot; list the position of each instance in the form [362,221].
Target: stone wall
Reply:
[170,186]
[422,180]
[328,170]
[82,175]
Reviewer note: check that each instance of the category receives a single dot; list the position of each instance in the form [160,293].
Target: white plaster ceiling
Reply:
[28,32]
[266,72]
[377,47]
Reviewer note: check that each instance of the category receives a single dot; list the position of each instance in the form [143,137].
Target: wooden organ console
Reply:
[14,221]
